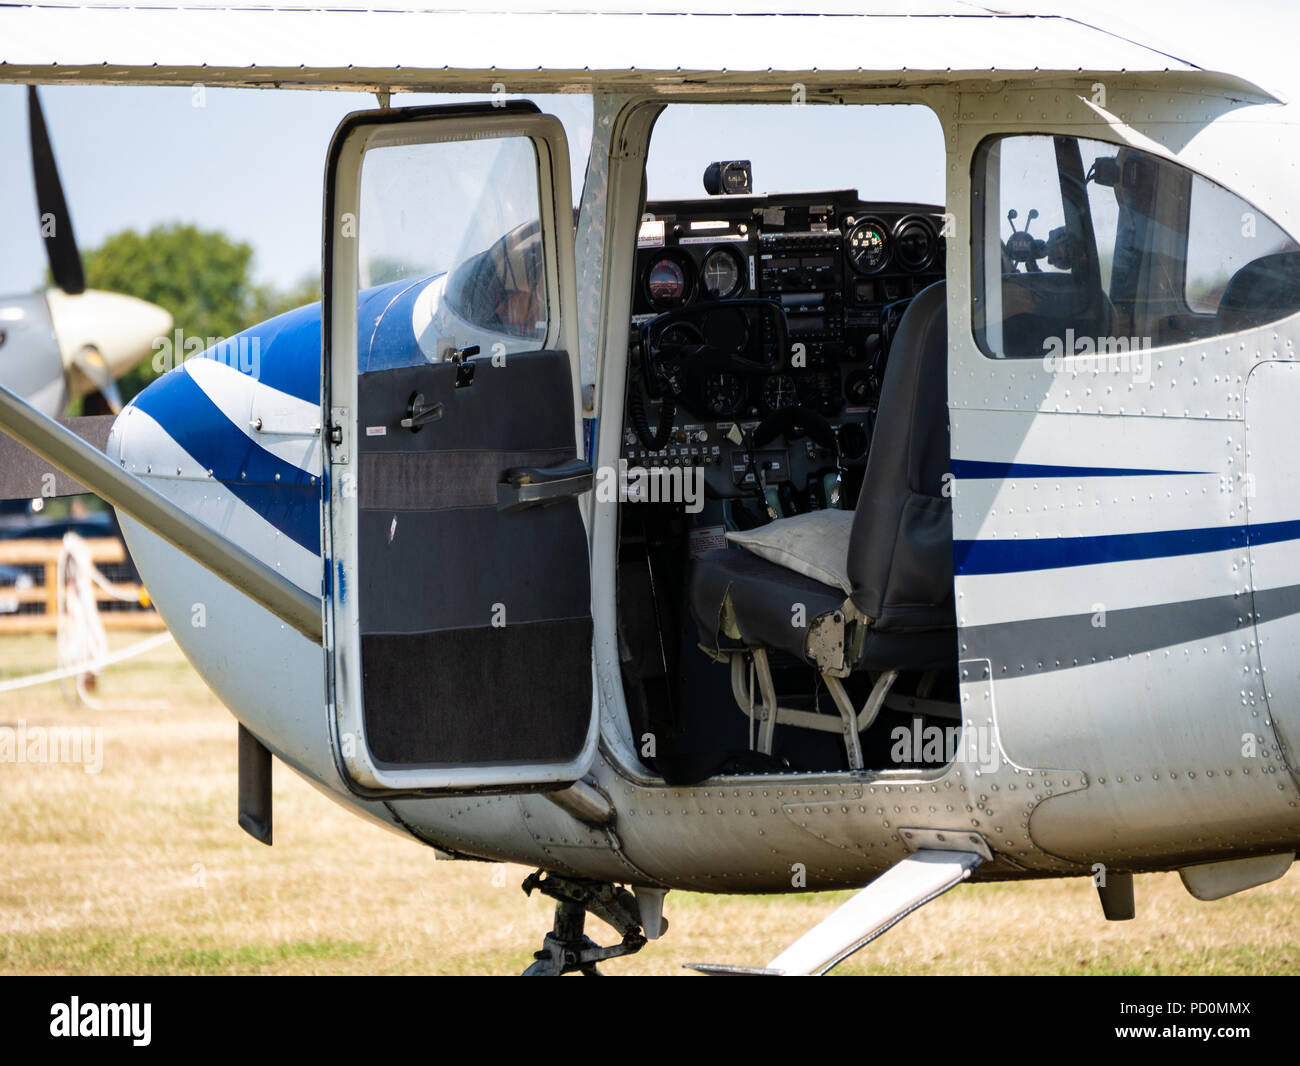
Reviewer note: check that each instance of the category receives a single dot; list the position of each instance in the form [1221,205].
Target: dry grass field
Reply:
[140,868]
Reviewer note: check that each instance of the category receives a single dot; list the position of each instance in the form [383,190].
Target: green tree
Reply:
[271,301]
[203,277]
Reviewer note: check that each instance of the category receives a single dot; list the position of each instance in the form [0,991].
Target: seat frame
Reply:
[755,693]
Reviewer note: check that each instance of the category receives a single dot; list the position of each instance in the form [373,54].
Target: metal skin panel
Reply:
[1154,712]
[1085,755]
[1272,492]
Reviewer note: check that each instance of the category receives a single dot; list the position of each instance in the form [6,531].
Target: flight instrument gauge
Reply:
[722,273]
[779,392]
[867,246]
[668,282]
[723,393]
[915,243]
[679,335]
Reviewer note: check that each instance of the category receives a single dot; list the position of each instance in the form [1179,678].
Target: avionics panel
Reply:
[842,269]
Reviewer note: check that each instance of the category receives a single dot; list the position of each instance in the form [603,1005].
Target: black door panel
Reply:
[475,624]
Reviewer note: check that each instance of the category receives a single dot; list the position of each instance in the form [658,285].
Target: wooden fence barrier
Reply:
[44,553]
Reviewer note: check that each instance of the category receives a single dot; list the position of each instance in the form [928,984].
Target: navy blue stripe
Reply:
[1019,556]
[291,503]
[972,469]
[288,353]
[294,511]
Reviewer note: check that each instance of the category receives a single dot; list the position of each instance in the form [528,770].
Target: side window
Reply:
[1087,248]
[1225,234]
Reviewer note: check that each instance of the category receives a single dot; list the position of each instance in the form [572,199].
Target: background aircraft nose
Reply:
[102,335]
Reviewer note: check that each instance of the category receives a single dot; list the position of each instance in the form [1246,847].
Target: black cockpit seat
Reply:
[899,612]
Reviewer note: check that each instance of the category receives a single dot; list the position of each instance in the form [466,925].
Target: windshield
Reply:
[501,289]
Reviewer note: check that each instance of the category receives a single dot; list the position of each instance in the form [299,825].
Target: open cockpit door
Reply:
[459,626]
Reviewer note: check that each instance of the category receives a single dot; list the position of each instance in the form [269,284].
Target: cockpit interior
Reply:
[759,350]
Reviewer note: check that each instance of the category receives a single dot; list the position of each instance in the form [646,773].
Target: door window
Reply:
[456,223]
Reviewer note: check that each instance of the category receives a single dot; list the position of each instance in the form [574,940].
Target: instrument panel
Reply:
[842,270]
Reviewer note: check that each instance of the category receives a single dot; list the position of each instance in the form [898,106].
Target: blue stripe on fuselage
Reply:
[1019,556]
[282,493]
[392,341]
[976,469]
[289,346]
[288,353]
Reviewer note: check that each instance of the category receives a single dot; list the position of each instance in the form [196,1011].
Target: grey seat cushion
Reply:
[815,544]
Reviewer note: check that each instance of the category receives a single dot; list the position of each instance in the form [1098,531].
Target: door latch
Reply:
[338,435]
[464,368]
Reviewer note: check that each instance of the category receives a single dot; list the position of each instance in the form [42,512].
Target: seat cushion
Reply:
[815,544]
[768,605]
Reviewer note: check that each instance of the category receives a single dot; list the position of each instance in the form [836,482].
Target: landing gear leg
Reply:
[567,949]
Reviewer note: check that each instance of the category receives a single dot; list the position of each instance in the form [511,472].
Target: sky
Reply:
[248,162]
[251,162]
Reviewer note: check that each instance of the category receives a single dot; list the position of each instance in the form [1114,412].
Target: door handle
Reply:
[531,486]
[419,413]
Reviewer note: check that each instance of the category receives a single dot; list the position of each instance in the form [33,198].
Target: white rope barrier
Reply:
[156,641]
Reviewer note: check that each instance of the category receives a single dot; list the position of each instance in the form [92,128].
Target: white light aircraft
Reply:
[994,575]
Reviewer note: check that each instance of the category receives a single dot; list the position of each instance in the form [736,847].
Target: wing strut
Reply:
[904,887]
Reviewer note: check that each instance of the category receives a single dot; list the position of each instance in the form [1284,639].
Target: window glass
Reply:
[459,222]
[1223,235]
[1088,248]
[884,151]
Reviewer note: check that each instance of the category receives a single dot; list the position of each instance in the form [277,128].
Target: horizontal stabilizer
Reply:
[24,475]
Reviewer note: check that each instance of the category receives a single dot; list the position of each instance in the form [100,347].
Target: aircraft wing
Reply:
[529,49]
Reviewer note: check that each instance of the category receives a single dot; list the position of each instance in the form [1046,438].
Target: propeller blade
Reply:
[56,223]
